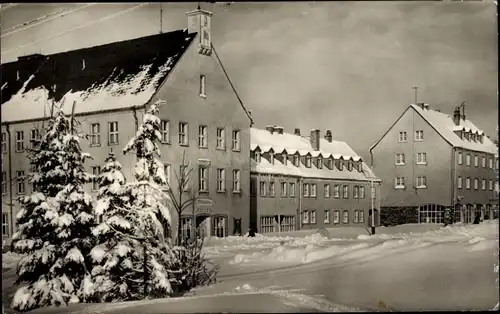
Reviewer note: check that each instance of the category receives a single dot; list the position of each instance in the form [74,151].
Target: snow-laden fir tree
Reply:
[55,225]
[117,273]
[151,205]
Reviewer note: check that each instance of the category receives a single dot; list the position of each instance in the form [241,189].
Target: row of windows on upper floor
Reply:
[307,161]
[288,189]
[112,136]
[418,137]
[203,180]
[421,183]
[460,160]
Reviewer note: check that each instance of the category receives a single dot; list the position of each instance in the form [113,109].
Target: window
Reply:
[349,165]
[4,142]
[460,158]
[221,138]
[421,182]
[295,160]
[165,131]
[490,185]
[313,189]
[202,136]
[113,133]
[490,162]
[308,161]
[467,183]
[4,182]
[355,217]
[399,183]
[336,216]
[285,159]
[476,161]
[21,189]
[362,192]
[319,163]
[271,158]
[345,191]
[330,163]
[327,190]
[34,137]
[476,184]
[95,181]
[236,140]
[236,181]
[361,216]
[336,191]
[327,216]
[355,191]
[459,182]
[400,159]
[346,217]
[341,165]
[202,86]
[421,158]
[263,188]
[313,216]
[166,168]
[267,224]
[221,180]
[284,186]
[186,227]
[305,192]
[183,133]
[402,137]
[483,162]
[203,179]
[288,223]
[419,135]
[95,134]
[219,227]
[5,224]
[483,184]
[292,189]
[19,141]
[305,217]
[467,159]
[272,189]
[257,157]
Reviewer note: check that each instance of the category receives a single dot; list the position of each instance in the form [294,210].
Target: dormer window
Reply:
[349,165]
[285,159]
[271,158]
[341,165]
[320,163]
[360,166]
[296,160]
[257,157]
[330,163]
[466,135]
[308,161]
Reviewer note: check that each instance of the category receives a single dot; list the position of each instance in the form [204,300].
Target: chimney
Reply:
[328,136]
[199,21]
[279,129]
[314,139]
[456,116]
[421,105]
[296,132]
[426,106]
[270,128]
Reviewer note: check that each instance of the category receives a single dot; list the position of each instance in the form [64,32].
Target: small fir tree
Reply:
[151,205]
[56,265]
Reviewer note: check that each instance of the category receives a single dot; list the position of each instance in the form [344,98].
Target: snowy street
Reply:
[428,267]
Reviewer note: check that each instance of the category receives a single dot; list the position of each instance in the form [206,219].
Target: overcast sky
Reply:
[344,66]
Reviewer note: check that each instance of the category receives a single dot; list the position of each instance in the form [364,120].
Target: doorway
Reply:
[203,226]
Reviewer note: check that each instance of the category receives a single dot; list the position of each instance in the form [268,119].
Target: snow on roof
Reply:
[444,125]
[294,143]
[116,75]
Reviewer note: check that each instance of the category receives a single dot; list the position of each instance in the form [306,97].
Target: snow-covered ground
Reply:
[409,267]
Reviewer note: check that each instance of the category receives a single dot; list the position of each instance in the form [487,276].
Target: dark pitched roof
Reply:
[116,75]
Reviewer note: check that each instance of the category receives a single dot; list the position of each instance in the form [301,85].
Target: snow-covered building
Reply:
[431,160]
[108,88]
[307,182]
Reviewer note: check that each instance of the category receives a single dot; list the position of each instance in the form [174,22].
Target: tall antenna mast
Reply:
[416,91]
[161,17]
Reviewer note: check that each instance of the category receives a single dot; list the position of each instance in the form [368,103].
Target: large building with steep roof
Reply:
[308,182]
[109,88]
[433,160]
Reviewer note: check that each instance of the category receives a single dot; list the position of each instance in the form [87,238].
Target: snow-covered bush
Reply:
[54,223]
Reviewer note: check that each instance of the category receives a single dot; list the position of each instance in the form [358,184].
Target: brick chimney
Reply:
[296,132]
[278,129]
[314,139]
[456,116]
[270,128]
[328,136]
